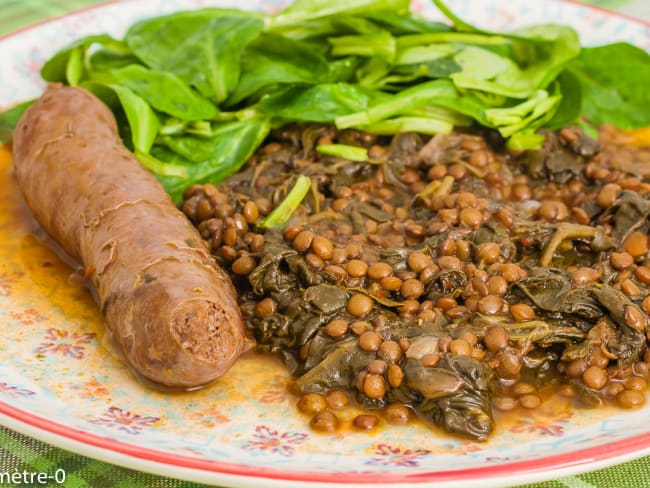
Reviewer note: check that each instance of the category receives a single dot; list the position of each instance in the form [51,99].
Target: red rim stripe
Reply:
[601,453]
[604,452]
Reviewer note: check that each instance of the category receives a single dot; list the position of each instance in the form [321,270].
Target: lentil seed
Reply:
[621,260]
[634,318]
[380,270]
[457,312]
[391,283]
[337,328]
[418,261]
[395,376]
[312,403]
[636,244]
[360,326]
[595,377]
[390,351]
[360,304]
[266,306]
[496,338]
[642,273]
[635,383]
[244,265]
[497,285]
[412,289]
[290,233]
[522,312]
[397,413]
[630,288]
[471,217]
[322,247]
[337,399]
[365,421]
[324,422]
[257,243]
[374,386]
[630,399]
[314,260]
[608,195]
[460,347]
[370,341]
[509,365]
[449,263]
[523,388]
[377,366]
[530,401]
[584,276]
[488,252]
[490,304]
[303,240]
[356,268]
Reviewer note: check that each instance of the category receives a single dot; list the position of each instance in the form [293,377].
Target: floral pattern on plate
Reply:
[55,369]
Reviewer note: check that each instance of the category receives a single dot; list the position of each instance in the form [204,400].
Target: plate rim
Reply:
[132,456]
[105,3]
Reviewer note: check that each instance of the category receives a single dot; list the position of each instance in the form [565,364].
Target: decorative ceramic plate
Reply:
[59,384]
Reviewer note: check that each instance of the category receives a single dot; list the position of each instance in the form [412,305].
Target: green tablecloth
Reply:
[19,453]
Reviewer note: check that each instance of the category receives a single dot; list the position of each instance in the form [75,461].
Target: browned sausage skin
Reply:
[170,308]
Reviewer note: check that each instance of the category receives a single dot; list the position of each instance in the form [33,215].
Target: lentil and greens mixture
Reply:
[444,276]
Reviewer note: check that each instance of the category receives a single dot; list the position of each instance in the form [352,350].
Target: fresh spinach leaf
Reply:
[222,154]
[378,44]
[203,50]
[320,103]
[560,47]
[165,92]
[407,23]
[409,99]
[143,124]
[302,10]
[56,68]
[570,107]
[104,59]
[274,59]
[142,120]
[614,80]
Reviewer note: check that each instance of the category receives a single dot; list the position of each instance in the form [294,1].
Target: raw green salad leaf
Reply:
[615,81]
[196,92]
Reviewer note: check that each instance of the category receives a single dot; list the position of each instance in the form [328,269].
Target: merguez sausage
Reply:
[170,308]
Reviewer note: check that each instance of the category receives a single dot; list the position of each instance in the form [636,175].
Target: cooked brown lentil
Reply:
[360,304]
[630,399]
[324,422]
[461,254]
[522,312]
[337,328]
[398,413]
[370,341]
[312,403]
[495,338]
[365,421]
[530,401]
[337,399]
